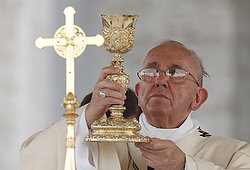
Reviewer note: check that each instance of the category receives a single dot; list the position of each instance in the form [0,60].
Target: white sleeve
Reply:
[190,163]
[86,153]
[193,163]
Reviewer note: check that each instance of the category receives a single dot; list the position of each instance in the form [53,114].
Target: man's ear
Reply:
[200,98]
[137,89]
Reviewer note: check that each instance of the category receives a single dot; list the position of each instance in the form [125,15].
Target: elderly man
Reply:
[169,90]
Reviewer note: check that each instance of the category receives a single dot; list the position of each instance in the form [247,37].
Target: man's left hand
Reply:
[162,154]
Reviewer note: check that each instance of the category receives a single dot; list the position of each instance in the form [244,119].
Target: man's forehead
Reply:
[165,55]
[169,49]
[157,64]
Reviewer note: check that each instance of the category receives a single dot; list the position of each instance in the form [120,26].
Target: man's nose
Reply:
[162,80]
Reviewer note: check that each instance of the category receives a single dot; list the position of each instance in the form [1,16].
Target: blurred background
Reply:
[32,81]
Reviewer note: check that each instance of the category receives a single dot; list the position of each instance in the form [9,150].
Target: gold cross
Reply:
[69,42]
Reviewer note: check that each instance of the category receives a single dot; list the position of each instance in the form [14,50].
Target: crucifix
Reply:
[70,42]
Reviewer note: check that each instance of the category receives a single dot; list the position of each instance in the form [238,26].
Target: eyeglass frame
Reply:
[159,71]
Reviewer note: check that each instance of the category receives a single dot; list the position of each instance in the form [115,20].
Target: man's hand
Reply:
[162,154]
[114,95]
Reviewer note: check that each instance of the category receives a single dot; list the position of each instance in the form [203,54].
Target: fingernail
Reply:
[122,89]
[117,70]
[124,96]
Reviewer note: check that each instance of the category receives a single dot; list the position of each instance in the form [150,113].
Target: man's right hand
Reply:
[114,95]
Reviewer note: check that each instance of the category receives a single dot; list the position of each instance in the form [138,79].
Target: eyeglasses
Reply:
[175,74]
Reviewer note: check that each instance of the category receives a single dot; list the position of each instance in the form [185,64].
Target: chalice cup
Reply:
[118,33]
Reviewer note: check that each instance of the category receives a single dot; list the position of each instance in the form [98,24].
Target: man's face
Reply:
[163,99]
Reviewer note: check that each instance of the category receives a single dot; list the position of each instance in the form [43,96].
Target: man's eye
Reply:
[172,72]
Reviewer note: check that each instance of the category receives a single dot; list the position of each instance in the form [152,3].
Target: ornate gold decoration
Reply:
[118,33]
[70,42]
[70,103]
[78,48]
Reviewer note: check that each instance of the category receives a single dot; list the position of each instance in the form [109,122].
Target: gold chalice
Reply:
[118,33]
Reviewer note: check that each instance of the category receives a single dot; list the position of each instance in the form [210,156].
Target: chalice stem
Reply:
[121,78]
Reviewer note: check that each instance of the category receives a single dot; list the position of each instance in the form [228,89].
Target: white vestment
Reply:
[46,150]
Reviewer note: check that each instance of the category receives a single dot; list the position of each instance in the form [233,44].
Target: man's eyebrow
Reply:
[152,64]
[155,64]
[175,66]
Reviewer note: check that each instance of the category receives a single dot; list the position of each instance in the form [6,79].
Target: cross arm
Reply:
[46,42]
[97,40]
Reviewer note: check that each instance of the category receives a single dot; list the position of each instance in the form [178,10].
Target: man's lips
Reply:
[159,95]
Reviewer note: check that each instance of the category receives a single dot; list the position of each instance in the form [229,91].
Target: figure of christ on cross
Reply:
[70,42]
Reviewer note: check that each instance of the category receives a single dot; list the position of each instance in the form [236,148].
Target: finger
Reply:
[155,158]
[151,158]
[158,144]
[155,144]
[103,103]
[108,101]
[148,161]
[113,94]
[108,84]
[107,71]
[143,145]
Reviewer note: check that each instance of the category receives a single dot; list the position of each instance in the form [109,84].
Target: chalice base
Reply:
[116,129]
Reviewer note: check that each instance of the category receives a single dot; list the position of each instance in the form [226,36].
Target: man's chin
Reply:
[158,107]
[159,102]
